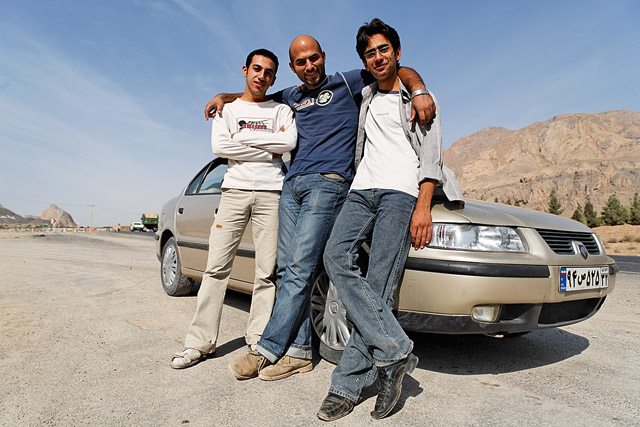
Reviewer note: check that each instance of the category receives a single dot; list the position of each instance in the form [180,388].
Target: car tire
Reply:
[174,282]
[329,319]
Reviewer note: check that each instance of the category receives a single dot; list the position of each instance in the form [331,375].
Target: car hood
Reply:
[487,213]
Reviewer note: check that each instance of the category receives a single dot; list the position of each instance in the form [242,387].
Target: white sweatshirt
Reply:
[249,134]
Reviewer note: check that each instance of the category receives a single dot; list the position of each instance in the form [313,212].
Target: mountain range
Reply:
[49,216]
[577,155]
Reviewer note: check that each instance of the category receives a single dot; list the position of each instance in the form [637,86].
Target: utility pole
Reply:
[90,216]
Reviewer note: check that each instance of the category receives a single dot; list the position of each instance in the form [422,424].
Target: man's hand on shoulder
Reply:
[214,107]
[422,108]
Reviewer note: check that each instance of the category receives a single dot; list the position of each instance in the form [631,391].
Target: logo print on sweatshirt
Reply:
[325,97]
[259,125]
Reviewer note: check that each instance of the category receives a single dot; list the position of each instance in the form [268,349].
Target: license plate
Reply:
[580,278]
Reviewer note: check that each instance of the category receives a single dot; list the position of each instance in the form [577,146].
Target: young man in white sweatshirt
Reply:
[252,134]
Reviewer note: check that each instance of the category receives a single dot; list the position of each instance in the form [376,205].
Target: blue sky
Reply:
[101,102]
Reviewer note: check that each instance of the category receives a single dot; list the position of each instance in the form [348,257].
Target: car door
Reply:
[195,212]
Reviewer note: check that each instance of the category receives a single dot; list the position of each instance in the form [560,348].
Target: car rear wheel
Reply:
[329,319]
[173,281]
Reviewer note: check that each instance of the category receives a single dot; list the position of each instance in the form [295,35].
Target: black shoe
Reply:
[390,378]
[334,407]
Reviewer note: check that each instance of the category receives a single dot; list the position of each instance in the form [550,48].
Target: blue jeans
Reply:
[308,208]
[377,339]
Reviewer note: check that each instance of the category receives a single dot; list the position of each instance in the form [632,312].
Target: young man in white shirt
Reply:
[389,203]
[252,134]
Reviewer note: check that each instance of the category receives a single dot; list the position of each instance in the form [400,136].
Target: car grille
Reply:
[568,311]
[560,241]
[550,314]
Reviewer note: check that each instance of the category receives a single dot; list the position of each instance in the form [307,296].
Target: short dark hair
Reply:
[376,26]
[263,52]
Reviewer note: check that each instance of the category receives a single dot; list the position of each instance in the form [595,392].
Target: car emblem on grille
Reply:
[581,249]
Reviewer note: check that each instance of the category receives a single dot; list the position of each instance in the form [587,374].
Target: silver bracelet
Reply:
[419,92]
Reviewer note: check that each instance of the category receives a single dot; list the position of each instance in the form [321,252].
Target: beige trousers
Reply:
[237,208]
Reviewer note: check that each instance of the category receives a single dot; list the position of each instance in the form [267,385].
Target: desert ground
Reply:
[620,239]
[86,333]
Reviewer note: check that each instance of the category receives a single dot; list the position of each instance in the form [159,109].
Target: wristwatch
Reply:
[419,92]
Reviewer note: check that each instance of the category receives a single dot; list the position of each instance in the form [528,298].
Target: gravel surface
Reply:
[86,335]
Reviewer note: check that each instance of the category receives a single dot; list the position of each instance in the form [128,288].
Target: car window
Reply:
[193,186]
[212,183]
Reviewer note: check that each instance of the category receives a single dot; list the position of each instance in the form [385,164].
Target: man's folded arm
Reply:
[224,146]
[279,142]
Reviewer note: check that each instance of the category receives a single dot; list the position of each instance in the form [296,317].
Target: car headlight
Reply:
[469,237]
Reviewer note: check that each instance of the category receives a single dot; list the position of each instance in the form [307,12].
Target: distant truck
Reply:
[149,221]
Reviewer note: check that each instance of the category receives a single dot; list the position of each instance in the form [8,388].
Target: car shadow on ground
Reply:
[230,346]
[478,354]
[481,355]
[461,354]
[233,299]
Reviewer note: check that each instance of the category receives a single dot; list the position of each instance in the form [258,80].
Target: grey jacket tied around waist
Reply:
[426,142]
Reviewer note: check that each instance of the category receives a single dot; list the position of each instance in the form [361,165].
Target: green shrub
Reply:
[634,211]
[591,215]
[555,207]
[578,215]
[614,212]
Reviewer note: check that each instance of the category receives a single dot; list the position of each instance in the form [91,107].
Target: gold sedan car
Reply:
[489,269]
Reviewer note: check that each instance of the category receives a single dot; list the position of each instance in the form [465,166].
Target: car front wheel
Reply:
[329,319]
[173,281]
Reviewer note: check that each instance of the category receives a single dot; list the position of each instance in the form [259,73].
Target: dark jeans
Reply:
[309,205]
[376,339]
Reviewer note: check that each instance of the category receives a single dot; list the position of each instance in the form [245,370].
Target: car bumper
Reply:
[513,318]
[438,296]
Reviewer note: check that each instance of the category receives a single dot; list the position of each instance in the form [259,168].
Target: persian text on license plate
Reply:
[580,278]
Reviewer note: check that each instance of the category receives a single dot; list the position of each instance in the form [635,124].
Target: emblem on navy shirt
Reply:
[325,97]
[253,125]
[304,104]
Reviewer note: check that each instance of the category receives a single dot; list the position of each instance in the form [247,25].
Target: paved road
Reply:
[86,334]
[628,264]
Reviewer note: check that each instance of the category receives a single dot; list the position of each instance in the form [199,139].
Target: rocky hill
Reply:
[62,218]
[578,155]
[9,217]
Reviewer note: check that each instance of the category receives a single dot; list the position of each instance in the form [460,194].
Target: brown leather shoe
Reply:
[285,367]
[248,365]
